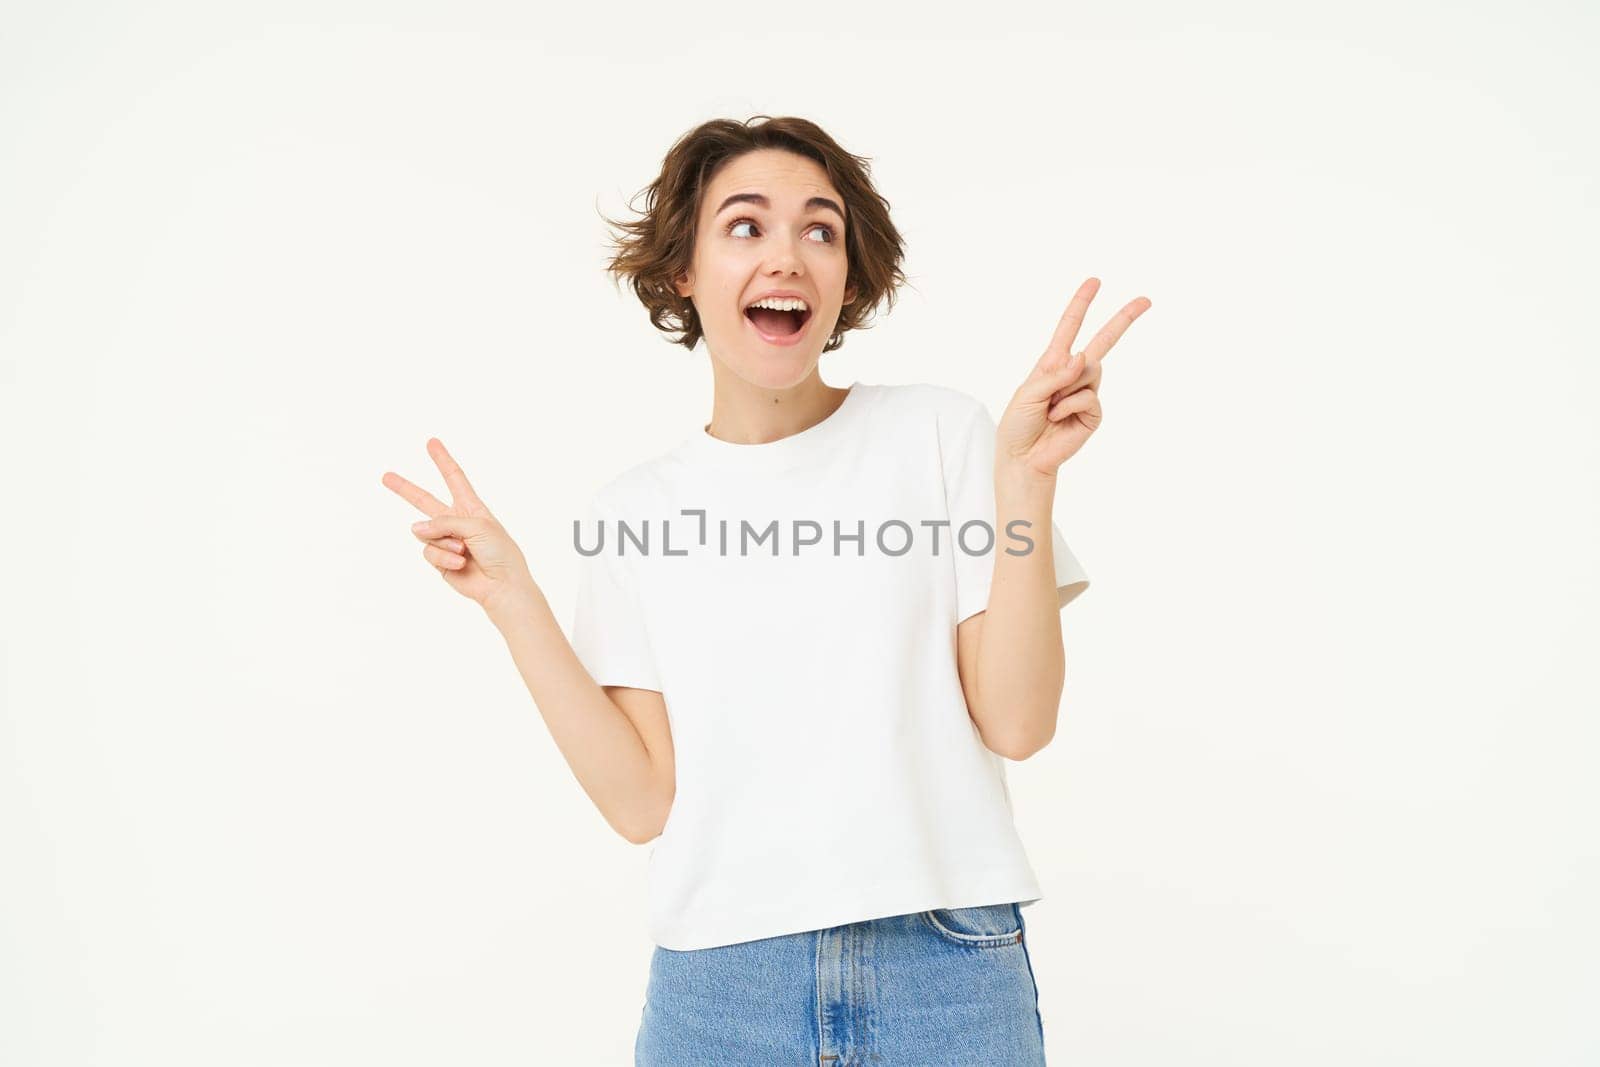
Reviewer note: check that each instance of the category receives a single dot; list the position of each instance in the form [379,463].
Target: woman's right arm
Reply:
[615,738]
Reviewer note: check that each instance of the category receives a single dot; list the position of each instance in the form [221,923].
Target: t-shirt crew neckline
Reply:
[702,447]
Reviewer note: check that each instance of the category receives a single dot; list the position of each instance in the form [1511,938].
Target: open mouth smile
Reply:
[779,321]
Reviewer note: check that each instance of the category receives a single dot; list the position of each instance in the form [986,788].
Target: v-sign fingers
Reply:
[423,500]
[1059,350]
[460,489]
[1113,330]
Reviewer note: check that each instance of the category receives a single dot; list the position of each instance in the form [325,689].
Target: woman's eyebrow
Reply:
[761,201]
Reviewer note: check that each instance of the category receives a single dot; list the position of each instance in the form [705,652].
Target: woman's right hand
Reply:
[463,541]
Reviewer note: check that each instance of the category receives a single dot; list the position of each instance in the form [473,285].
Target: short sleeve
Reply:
[608,627]
[967,451]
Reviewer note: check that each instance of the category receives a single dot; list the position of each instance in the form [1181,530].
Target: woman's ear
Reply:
[850,295]
[684,283]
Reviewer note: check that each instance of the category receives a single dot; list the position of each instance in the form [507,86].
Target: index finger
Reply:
[1059,350]
[460,489]
[424,501]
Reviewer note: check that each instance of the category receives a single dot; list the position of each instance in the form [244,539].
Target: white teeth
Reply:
[776,303]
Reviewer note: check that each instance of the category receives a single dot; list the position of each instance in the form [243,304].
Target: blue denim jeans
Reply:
[947,986]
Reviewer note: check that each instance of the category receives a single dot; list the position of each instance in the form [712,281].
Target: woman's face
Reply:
[770,221]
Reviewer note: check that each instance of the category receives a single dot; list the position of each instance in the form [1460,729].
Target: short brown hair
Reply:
[656,248]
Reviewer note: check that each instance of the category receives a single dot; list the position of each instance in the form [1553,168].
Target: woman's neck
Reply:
[745,414]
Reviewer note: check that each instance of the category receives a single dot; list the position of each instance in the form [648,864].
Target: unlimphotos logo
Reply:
[892,537]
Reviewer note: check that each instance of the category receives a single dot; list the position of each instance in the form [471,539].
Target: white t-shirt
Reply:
[827,768]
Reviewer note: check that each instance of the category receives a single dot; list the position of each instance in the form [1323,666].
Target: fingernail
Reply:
[417,526]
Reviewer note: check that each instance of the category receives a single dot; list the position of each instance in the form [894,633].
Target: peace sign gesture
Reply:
[467,544]
[1055,410]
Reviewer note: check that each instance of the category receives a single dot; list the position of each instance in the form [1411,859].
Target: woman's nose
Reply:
[785,258]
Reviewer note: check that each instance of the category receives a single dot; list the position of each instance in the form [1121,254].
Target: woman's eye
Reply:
[733,228]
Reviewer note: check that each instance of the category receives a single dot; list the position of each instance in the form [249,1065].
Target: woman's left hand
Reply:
[1055,410]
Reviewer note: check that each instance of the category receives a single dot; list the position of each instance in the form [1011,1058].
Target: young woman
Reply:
[807,636]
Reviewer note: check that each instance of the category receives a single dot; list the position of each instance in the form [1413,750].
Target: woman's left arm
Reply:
[1010,655]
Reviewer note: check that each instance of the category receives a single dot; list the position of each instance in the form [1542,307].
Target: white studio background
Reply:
[272,794]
